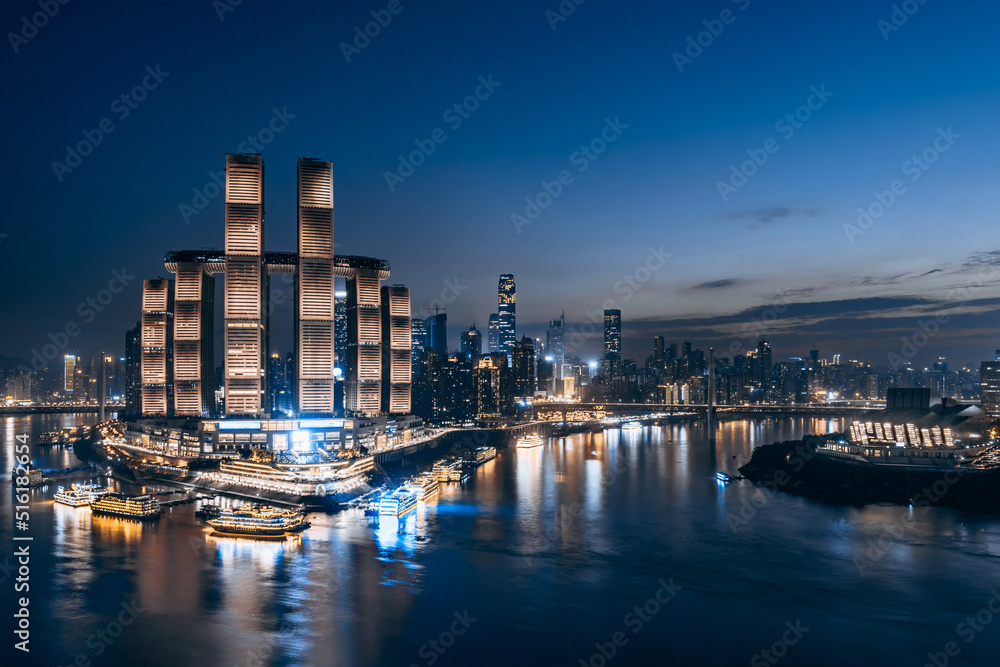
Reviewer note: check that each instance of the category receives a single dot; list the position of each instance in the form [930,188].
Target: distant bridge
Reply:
[599,410]
[54,409]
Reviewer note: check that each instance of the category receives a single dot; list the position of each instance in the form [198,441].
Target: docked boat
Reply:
[459,473]
[139,508]
[79,495]
[528,441]
[256,520]
[481,455]
[426,486]
[631,426]
[398,503]
[444,469]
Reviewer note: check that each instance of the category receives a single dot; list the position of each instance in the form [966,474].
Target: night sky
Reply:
[785,245]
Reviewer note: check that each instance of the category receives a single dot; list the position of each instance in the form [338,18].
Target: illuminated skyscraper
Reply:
[506,315]
[157,334]
[69,372]
[364,344]
[555,340]
[314,293]
[246,286]
[418,336]
[437,333]
[613,339]
[493,334]
[397,347]
[989,376]
[524,367]
[340,329]
[492,385]
[472,343]
[194,340]
[133,371]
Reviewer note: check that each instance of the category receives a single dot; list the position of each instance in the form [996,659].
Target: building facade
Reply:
[506,316]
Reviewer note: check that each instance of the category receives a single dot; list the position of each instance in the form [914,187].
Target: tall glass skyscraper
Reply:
[493,334]
[506,316]
[613,339]
[555,340]
[472,342]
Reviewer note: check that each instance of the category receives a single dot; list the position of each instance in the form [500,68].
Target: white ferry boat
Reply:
[528,441]
[444,469]
[79,495]
[398,503]
[481,455]
[256,520]
[140,508]
[426,486]
[631,426]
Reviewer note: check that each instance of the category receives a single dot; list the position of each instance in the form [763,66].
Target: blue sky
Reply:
[655,185]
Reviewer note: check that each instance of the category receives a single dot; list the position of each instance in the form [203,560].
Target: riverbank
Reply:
[794,467]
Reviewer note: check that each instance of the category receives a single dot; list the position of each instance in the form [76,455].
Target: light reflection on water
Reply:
[548,547]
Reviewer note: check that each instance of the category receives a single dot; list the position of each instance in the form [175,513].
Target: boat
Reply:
[458,473]
[481,455]
[398,503]
[444,469]
[528,441]
[79,495]
[426,486]
[631,426]
[257,520]
[208,511]
[140,508]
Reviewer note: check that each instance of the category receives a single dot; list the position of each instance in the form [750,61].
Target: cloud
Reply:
[719,284]
[989,258]
[766,216]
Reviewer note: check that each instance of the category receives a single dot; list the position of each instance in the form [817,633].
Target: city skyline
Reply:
[860,287]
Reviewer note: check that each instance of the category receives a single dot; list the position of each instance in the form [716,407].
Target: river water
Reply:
[615,548]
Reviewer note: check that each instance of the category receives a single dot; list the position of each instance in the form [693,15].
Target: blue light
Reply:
[321,423]
[239,426]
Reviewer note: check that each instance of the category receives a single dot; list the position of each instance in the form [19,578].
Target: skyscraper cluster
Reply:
[373,347]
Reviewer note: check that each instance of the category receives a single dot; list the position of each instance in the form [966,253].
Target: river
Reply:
[616,548]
